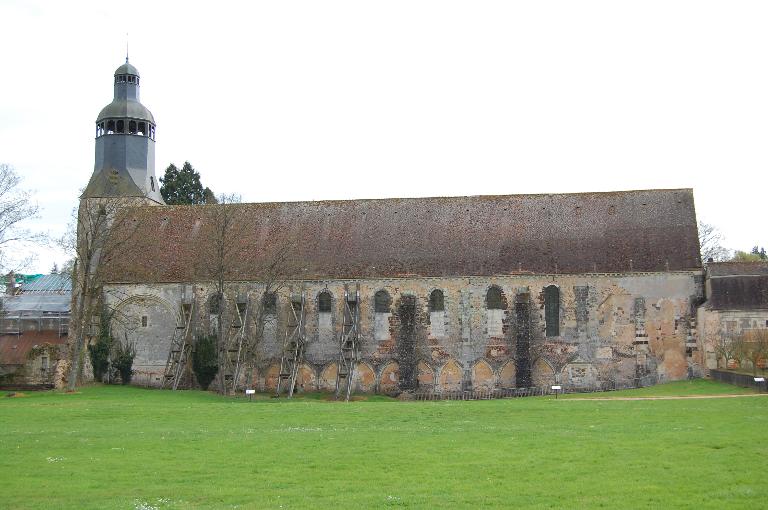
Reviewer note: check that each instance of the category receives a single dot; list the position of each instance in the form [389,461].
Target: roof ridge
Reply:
[449,198]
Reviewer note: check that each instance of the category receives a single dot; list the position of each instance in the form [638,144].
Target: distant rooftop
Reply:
[36,303]
[58,283]
[738,285]
[50,293]
[715,269]
[15,349]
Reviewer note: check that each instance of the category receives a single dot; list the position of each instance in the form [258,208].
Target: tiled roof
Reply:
[652,230]
[14,349]
[738,285]
[715,269]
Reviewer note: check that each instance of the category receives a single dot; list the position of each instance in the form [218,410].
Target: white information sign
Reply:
[250,392]
[759,379]
[557,387]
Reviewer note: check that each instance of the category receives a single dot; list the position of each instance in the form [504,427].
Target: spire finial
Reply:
[126,47]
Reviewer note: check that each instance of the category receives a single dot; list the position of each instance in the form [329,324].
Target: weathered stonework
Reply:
[614,329]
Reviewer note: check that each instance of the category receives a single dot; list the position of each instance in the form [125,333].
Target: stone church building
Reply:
[438,294]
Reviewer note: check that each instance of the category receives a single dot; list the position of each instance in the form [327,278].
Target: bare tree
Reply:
[221,255]
[274,270]
[15,206]
[102,230]
[725,348]
[739,349]
[755,346]
[227,226]
[709,243]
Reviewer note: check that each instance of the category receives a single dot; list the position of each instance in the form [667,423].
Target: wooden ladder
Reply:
[293,347]
[348,343]
[181,345]
[234,350]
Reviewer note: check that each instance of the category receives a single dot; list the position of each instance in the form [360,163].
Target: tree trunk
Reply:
[77,353]
[221,341]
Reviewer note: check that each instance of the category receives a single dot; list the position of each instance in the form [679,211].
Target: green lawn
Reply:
[119,447]
[673,389]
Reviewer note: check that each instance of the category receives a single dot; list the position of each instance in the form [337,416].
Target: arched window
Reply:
[269,302]
[324,302]
[110,127]
[552,310]
[382,302]
[120,126]
[436,301]
[494,299]
[143,128]
[436,314]
[132,127]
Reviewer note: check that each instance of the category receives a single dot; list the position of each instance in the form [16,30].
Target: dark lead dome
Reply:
[127,69]
[120,108]
[126,104]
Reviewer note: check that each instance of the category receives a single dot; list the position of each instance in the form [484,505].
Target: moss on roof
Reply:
[652,230]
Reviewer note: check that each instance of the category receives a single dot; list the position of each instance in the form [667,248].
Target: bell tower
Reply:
[125,144]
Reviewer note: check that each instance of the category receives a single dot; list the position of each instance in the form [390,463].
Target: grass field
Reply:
[122,447]
[695,387]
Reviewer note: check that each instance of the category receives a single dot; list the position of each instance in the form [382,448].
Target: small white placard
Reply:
[250,392]
[759,379]
[557,388]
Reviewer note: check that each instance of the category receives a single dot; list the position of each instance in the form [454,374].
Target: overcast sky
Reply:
[296,100]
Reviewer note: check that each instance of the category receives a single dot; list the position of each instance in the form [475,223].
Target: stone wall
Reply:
[612,328]
[42,367]
[716,326]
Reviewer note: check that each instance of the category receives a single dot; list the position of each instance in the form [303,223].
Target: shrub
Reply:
[205,361]
[99,351]
[99,354]
[122,360]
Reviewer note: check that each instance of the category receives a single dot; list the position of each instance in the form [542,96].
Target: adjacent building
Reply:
[737,301]
[34,327]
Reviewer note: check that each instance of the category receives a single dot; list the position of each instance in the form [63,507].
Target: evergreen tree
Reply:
[205,361]
[121,359]
[99,351]
[209,197]
[183,186]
